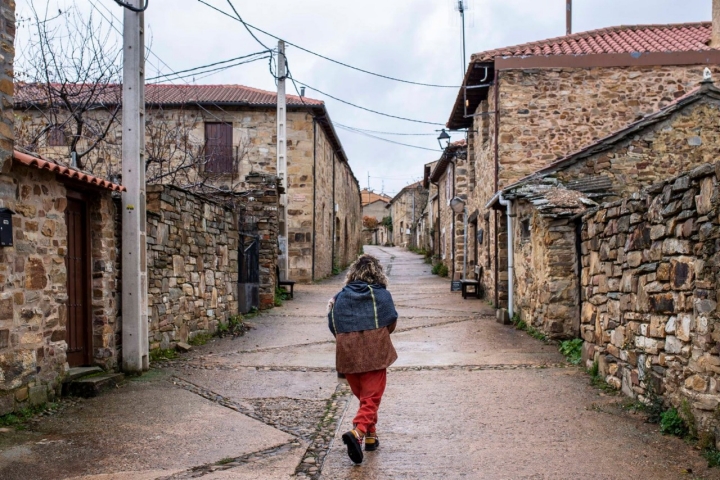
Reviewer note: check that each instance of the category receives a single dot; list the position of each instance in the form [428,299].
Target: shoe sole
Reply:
[353,447]
[372,446]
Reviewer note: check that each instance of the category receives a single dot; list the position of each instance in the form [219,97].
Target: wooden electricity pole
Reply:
[284,259]
[134,253]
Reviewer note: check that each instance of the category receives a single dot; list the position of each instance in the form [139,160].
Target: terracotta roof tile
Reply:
[686,37]
[164,94]
[369,197]
[58,169]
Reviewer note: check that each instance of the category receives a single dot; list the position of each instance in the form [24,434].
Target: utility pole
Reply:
[568,17]
[134,252]
[282,162]
[461,9]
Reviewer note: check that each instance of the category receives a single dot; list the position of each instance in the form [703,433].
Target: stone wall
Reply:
[545,114]
[7,41]
[192,265]
[258,211]
[650,277]
[33,286]
[546,279]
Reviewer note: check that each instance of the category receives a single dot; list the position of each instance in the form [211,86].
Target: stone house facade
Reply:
[449,178]
[58,297]
[373,206]
[405,210]
[528,105]
[208,138]
[546,205]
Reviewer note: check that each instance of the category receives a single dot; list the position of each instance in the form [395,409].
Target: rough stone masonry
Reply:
[650,270]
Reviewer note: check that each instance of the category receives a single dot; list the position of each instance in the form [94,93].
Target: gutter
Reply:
[497,168]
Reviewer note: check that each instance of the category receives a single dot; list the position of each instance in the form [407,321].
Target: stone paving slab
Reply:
[535,423]
[147,425]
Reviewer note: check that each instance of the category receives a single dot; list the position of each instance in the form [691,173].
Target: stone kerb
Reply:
[649,275]
[192,265]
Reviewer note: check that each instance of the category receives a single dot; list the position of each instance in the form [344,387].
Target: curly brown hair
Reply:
[366,269]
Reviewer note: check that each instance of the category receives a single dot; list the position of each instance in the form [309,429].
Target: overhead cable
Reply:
[133,8]
[387,77]
[385,139]
[187,72]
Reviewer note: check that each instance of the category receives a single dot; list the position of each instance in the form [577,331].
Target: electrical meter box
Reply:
[6,227]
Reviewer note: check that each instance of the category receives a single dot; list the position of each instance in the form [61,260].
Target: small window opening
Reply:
[525,230]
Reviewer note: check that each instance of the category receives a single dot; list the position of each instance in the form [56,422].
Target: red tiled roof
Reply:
[41,164]
[686,37]
[369,197]
[164,94]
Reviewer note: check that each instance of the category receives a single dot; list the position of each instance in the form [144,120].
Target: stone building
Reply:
[546,205]
[373,206]
[405,210]
[528,105]
[208,138]
[58,277]
[449,178]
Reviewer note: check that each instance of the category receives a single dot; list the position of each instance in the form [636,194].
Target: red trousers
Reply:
[368,387]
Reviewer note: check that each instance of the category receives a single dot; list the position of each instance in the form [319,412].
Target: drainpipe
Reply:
[511,257]
[334,215]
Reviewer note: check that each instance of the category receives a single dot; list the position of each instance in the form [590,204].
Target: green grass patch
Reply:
[529,329]
[18,418]
[712,456]
[225,461]
[158,354]
[572,350]
[200,339]
[235,326]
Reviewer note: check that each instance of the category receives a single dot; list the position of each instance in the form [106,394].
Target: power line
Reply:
[367,109]
[132,8]
[239,18]
[249,26]
[205,73]
[150,52]
[388,133]
[202,67]
[349,129]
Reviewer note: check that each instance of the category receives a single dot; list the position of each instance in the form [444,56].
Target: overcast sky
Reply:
[417,40]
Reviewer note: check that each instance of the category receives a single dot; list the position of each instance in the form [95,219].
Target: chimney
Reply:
[568,16]
[715,40]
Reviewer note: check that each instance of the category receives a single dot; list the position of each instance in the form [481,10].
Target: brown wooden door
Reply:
[77,262]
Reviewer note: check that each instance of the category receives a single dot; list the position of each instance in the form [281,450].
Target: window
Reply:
[218,148]
[525,230]
[56,137]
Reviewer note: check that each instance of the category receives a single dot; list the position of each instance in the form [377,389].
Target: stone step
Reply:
[88,387]
[79,372]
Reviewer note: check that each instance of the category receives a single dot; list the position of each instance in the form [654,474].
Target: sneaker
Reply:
[352,439]
[372,442]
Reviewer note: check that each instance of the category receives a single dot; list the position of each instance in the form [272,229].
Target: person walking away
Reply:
[361,317]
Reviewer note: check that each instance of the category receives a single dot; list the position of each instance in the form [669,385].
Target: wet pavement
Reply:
[467,398]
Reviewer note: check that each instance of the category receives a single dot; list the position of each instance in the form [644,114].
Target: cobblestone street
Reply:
[468,398]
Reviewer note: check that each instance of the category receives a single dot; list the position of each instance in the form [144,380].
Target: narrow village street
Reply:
[468,398]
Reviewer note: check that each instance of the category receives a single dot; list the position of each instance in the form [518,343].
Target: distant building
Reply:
[406,208]
[373,206]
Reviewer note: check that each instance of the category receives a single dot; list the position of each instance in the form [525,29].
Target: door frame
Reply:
[87,276]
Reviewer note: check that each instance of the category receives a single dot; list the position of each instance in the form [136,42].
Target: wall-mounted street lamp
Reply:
[444,137]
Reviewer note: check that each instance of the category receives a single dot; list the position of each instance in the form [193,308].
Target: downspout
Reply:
[511,257]
[314,231]
[454,240]
[497,167]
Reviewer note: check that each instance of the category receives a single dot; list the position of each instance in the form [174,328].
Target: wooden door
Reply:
[77,262]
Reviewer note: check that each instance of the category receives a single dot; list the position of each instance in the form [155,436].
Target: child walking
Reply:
[362,317]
